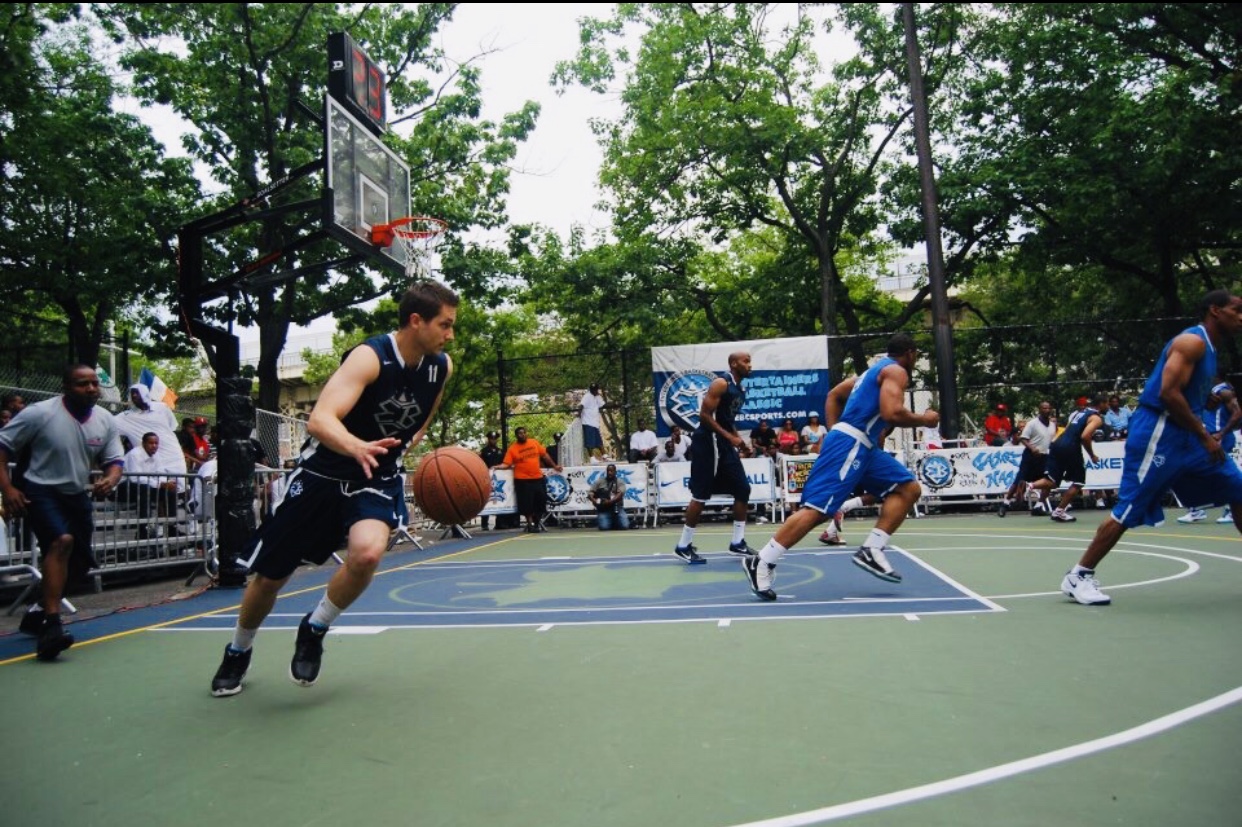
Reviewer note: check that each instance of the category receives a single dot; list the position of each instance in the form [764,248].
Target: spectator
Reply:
[998,427]
[763,440]
[812,433]
[668,454]
[492,456]
[526,457]
[5,416]
[146,481]
[148,417]
[644,445]
[681,443]
[608,497]
[13,403]
[1117,418]
[588,409]
[67,435]
[194,445]
[788,440]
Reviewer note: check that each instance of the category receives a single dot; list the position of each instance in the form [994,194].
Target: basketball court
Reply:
[577,677]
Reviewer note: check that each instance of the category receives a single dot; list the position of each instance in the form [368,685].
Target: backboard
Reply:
[367,184]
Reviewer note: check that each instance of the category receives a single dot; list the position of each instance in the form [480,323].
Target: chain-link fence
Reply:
[542,394]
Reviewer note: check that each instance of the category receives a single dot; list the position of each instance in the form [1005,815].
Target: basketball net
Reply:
[415,236]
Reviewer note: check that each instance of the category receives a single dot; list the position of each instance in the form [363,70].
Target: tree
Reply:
[84,233]
[729,124]
[240,74]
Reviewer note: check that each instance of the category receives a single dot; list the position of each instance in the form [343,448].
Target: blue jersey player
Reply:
[347,486]
[1168,446]
[858,412]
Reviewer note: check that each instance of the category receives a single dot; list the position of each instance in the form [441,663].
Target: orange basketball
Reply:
[452,485]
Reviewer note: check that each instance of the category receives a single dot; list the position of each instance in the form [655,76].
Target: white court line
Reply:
[545,627]
[912,617]
[724,623]
[987,776]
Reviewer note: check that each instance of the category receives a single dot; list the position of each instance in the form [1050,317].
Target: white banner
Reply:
[789,380]
[990,471]
[567,491]
[673,483]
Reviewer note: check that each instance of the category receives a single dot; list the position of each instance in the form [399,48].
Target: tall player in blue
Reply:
[857,412]
[1168,446]
[715,459]
[347,486]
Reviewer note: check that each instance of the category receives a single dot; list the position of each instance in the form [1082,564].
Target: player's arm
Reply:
[893,380]
[15,501]
[360,368]
[546,459]
[1185,352]
[707,411]
[112,461]
[1087,438]
[1230,400]
[834,403]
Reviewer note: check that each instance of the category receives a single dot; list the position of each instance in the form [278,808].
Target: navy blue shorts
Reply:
[52,514]
[716,468]
[313,520]
[1066,464]
[591,438]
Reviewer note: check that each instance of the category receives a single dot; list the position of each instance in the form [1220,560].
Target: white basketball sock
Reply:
[877,539]
[325,613]
[771,552]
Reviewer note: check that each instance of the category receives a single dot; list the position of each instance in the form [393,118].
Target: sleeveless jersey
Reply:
[397,404]
[862,409]
[729,407]
[1071,437]
[1201,380]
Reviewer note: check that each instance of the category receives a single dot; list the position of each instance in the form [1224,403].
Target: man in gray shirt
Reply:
[67,436]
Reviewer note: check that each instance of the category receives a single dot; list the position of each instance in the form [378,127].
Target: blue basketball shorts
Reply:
[844,465]
[313,520]
[1162,456]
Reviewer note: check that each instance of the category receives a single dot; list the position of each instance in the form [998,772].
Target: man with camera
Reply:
[608,497]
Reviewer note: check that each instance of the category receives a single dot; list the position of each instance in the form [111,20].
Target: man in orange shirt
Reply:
[527,457]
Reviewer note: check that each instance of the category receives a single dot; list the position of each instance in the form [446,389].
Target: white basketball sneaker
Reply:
[1194,515]
[1226,516]
[1084,588]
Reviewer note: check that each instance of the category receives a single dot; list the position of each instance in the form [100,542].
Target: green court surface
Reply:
[1036,712]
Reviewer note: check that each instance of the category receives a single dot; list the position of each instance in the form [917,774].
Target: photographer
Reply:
[608,497]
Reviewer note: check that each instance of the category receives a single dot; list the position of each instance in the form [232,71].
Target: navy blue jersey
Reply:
[397,404]
[729,407]
[1071,437]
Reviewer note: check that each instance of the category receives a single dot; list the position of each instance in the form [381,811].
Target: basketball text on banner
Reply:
[789,379]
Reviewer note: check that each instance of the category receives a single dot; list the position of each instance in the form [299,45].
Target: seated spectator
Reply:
[644,445]
[608,497]
[1116,419]
[788,440]
[681,443]
[998,427]
[763,440]
[812,433]
[145,482]
[667,454]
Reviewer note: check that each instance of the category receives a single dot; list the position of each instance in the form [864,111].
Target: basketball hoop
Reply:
[414,235]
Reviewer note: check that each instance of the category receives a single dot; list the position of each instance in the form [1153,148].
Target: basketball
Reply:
[452,485]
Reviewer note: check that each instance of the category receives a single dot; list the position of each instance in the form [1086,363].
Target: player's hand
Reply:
[368,453]
[15,502]
[103,487]
[931,418]
[1215,450]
